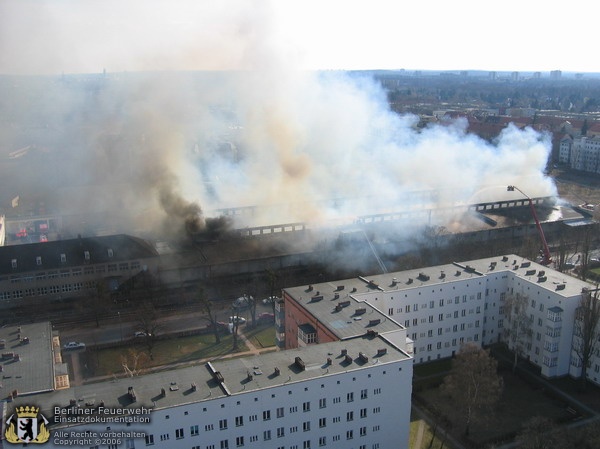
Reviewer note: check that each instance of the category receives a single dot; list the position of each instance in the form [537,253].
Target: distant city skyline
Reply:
[49,37]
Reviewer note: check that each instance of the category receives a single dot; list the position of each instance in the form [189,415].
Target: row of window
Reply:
[48,290]
[267,435]
[77,271]
[441,302]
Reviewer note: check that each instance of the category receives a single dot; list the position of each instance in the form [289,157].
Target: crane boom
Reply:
[547,257]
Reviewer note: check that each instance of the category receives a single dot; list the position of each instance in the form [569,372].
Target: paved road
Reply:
[122,328]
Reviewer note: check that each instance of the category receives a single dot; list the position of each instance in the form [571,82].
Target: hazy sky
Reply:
[70,36]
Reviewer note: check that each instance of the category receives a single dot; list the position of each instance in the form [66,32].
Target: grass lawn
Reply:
[421,432]
[261,336]
[518,404]
[174,350]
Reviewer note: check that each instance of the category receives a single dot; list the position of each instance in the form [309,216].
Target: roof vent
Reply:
[299,363]
[381,352]
[560,287]
[328,361]
[410,281]
[541,273]
[316,298]
[542,279]
[372,333]
[374,322]
[132,395]
[360,311]
[458,273]
[276,372]
[530,272]
[423,277]
[339,288]
[353,289]
[309,288]
[344,352]
[504,258]
[344,303]
[348,359]
[363,357]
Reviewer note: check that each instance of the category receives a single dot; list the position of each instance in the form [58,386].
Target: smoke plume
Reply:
[204,111]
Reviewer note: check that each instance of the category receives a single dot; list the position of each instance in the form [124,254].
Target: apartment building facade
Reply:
[445,306]
[344,394]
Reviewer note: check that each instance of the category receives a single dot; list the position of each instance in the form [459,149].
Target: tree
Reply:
[534,434]
[207,306]
[586,331]
[473,383]
[148,321]
[517,329]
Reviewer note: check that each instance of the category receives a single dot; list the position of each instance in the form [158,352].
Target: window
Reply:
[350,397]
[239,421]
[208,427]
[164,437]
[222,424]
[306,426]
[179,433]
[306,407]
[349,434]
[280,412]
[407,307]
[239,441]
[306,444]
[194,430]
[363,394]
[322,403]
[63,258]
[349,416]
[280,432]
[322,441]
[377,390]
[267,435]
[149,440]
[322,422]
[363,431]
[266,415]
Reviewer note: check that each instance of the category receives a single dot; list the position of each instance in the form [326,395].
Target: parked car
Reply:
[140,334]
[266,317]
[243,302]
[237,319]
[74,345]
[270,300]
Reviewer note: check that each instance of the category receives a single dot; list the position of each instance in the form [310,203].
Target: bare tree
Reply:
[134,362]
[148,321]
[586,331]
[272,279]
[207,306]
[473,383]
[517,330]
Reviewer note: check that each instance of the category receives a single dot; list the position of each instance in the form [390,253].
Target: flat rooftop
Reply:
[338,307]
[33,371]
[354,289]
[177,383]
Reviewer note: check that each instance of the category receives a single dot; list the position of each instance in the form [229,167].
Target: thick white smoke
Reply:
[300,145]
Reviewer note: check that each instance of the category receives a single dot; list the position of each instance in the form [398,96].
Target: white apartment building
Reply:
[442,307]
[581,153]
[354,393]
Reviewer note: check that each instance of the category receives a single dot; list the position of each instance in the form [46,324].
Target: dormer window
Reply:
[38,260]
[86,255]
[63,258]
[14,263]
[110,252]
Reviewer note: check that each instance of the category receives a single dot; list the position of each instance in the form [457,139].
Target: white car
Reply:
[74,345]
[237,319]
[141,334]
